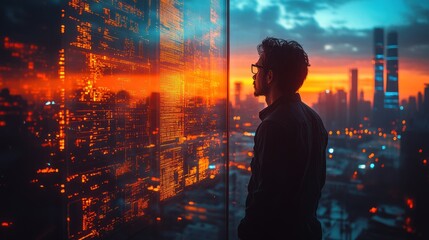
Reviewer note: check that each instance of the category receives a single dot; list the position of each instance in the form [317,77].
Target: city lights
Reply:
[373,210]
[362,166]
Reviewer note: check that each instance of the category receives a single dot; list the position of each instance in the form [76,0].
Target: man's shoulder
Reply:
[295,115]
[289,113]
[313,113]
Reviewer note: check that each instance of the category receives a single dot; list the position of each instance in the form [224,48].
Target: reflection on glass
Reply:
[113,119]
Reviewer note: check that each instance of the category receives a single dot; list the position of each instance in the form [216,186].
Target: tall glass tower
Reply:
[391,101]
[378,72]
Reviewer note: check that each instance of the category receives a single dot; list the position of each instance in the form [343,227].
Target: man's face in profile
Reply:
[259,81]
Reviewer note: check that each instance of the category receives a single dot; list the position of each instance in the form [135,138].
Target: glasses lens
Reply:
[254,69]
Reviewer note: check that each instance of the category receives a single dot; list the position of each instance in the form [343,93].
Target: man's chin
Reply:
[259,92]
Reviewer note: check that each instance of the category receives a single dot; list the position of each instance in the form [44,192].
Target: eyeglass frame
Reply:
[257,67]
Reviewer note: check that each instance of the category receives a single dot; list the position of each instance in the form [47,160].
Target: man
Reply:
[289,164]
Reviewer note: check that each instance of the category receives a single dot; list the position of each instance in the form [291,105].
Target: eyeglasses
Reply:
[255,68]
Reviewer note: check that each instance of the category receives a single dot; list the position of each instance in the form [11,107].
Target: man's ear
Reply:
[270,76]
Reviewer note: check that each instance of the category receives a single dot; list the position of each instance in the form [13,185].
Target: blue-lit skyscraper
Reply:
[391,100]
[378,75]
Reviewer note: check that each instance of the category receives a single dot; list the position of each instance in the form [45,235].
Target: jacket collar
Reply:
[281,100]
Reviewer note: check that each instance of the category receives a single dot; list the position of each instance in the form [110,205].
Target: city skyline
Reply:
[337,36]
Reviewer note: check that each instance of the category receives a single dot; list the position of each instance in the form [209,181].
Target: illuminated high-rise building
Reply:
[391,100]
[378,61]
[198,102]
[123,107]
[353,107]
[171,77]
[106,140]
[134,175]
[153,126]
[89,164]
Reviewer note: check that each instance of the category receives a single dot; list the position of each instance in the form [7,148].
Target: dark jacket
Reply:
[288,173]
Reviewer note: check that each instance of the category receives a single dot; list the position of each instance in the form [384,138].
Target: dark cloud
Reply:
[248,28]
[413,40]
[310,7]
[420,13]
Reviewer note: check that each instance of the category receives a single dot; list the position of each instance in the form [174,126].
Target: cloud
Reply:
[255,20]
[414,42]
[248,28]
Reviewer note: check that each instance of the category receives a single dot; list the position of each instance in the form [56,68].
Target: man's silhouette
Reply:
[289,164]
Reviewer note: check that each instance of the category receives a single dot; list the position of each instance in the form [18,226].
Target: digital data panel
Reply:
[113,119]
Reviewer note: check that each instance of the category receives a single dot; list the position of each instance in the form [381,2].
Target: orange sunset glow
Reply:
[332,74]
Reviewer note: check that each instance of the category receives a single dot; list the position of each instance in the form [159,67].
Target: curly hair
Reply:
[287,60]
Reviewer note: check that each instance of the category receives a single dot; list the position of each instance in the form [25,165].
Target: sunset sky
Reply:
[337,35]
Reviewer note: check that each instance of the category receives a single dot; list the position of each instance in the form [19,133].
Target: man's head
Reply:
[281,63]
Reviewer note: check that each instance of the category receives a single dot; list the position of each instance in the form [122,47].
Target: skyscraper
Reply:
[353,109]
[106,151]
[391,101]
[172,78]
[237,94]
[340,110]
[325,108]
[364,110]
[378,75]
[412,106]
[420,102]
[426,100]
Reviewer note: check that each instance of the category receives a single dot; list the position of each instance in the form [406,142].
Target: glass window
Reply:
[367,81]
[113,119]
